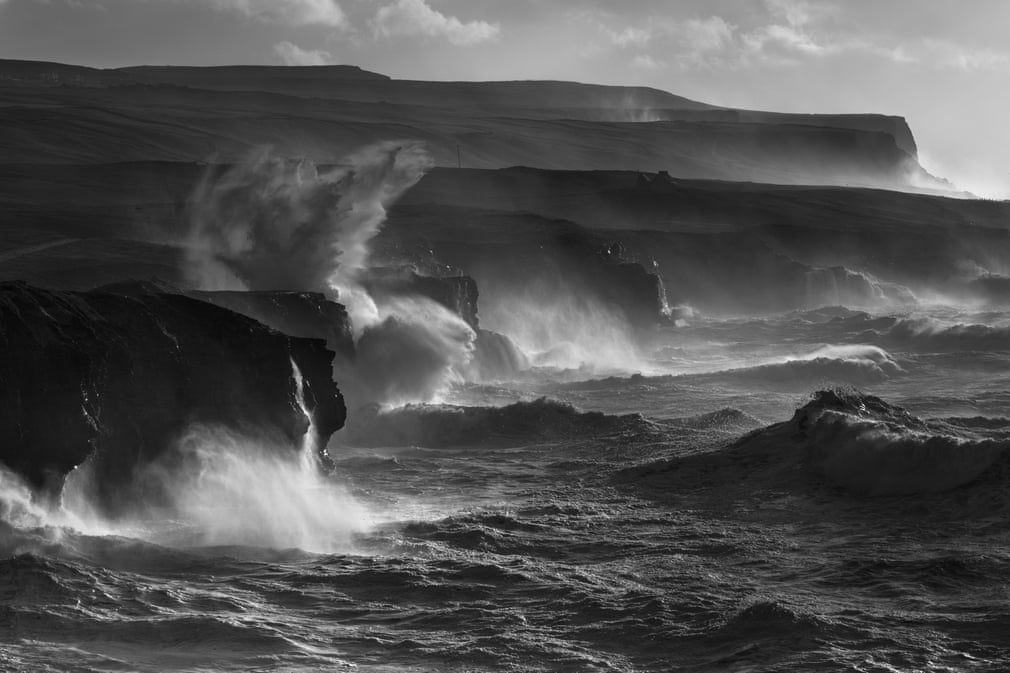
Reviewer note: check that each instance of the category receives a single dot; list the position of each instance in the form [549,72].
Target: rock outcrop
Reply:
[523,254]
[117,378]
[309,315]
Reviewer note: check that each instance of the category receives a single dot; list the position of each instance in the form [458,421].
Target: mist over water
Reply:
[559,329]
[413,351]
[230,489]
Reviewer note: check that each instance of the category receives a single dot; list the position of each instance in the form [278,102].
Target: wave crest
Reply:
[864,444]
[923,334]
[849,440]
[854,364]
[447,425]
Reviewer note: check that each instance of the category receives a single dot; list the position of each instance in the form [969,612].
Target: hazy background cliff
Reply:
[101,169]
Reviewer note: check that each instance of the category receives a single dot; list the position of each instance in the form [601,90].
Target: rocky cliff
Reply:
[117,378]
[523,254]
[308,315]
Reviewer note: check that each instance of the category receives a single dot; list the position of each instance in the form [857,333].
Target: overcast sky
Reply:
[943,65]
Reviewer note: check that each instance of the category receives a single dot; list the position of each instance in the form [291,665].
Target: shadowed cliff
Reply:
[116,379]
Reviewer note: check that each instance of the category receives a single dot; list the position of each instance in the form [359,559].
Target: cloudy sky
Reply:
[945,66]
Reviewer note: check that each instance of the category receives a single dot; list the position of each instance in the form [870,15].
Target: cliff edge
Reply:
[116,379]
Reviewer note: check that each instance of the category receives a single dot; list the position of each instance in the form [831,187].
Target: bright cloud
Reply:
[791,32]
[951,56]
[711,34]
[292,54]
[796,13]
[785,38]
[627,36]
[416,17]
[645,62]
[294,12]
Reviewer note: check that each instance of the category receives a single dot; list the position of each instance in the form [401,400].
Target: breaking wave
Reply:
[274,223]
[855,364]
[446,425]
[838,285]
[849,440]
[218,488]
[864,444]
[928,335]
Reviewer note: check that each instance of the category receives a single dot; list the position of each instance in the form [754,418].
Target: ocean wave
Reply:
[725,418]
[936,573]
[928,335]
[823,314]
[772,619]
[844,439]
[902,333]
[443,425]
[852,364]
[864,444]
[495,532]
[837,285]
[637,381]
[993,288]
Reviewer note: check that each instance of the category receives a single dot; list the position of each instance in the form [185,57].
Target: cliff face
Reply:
[308,315]
[62,114]
[519,254]
[117,378]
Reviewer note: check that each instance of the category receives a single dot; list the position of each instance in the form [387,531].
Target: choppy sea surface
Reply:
[712,512]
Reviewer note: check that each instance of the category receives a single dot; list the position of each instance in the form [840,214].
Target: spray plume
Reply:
[277,224]
[565,331]
[272,223]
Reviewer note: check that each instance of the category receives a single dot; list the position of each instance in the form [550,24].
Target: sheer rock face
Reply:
[309,315]
[118,379]
[300,314]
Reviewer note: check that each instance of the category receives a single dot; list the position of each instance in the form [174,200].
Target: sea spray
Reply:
[272,223]
[275,223]
[566,331]
[223,489]
[411,354]
[218,487]
[18,505]
[235,490]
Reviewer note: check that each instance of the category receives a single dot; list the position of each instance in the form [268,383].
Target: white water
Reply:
[224,488]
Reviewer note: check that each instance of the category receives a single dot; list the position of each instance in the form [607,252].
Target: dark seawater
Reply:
[679,519]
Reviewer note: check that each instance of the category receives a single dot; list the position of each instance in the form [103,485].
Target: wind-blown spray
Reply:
[272,223]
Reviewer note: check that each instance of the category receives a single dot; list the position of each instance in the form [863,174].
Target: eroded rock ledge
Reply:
[117,378]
